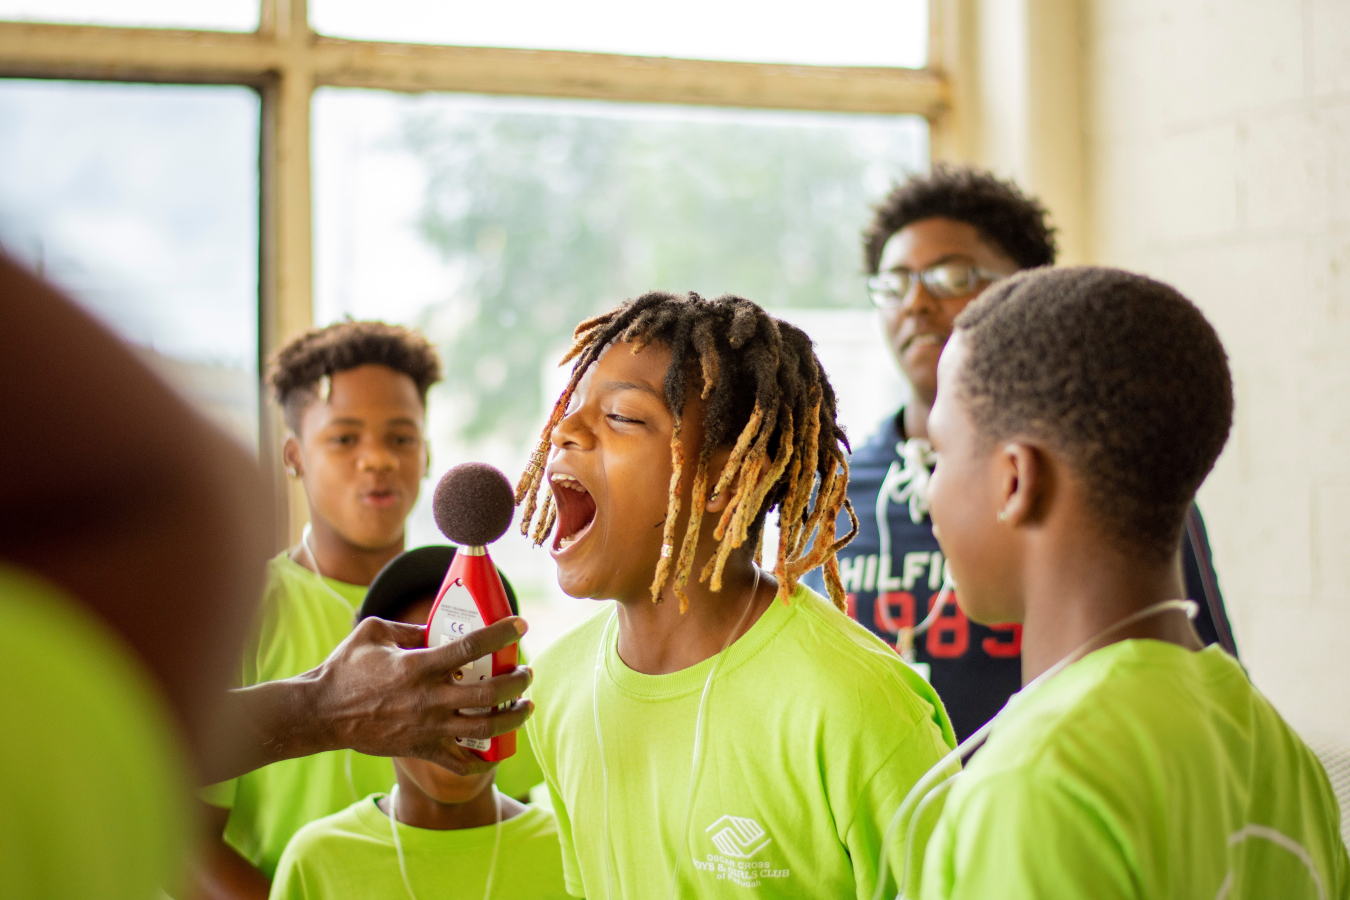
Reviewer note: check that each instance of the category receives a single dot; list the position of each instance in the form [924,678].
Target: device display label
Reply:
[455,617]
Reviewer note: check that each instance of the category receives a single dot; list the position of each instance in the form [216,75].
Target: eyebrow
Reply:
[937,262]
[360,423]
[633,386]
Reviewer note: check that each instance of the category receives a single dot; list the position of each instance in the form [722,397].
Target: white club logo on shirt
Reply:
[738,837]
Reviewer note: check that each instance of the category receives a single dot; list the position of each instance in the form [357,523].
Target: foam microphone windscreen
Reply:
[473,504]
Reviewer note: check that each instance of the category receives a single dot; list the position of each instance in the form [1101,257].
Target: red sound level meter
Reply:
[470,598]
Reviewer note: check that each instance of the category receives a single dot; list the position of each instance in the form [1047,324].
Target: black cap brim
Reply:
[413,576]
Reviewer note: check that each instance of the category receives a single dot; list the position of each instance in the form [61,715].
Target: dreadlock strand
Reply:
[834,584]
[733,466]
[547,516]
[706,345]
[789,524]
[731,517]
[825,490]
[697,503]
[672,513]
[766,483]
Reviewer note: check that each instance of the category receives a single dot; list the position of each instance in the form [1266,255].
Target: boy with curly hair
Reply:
[353,396]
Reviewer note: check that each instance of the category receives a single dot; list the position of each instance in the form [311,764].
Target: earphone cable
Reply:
[919,793]
[398,845]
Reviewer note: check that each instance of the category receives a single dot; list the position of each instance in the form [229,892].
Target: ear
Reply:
[291,456]
[716,463]
[1024,483]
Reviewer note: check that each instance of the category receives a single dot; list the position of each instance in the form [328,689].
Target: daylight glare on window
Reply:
[142,202]
[215,15]
[842,33]
[495,225]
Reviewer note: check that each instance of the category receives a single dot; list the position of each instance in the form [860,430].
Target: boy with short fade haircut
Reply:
[933,245]
[1077,413]
[436,835]
[719,728]
[354,399]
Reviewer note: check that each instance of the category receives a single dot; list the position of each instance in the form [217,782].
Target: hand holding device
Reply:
[473,507]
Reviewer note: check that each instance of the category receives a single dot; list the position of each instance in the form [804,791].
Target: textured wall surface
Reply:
[1217,154]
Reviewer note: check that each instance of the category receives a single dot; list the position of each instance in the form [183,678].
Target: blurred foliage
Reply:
[556,217]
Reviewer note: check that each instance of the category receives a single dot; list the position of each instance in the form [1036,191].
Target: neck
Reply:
[656,639]
[1085,590]
[340,559]
[915,416]
[418,810]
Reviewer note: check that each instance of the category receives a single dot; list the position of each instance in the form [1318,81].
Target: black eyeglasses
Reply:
[945,281]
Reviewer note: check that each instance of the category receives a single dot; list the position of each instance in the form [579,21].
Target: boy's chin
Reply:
[584,585]
[576,585]
[372,536]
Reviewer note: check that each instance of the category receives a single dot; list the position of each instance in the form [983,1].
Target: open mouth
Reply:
[576,510]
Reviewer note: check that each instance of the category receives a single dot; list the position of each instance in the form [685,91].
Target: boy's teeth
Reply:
[567,481]
[567,542]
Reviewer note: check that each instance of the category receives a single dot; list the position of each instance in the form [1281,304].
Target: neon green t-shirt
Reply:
[1141,771]
[813,732]
[520,772]
[91,769]
[351,855]
[300,623]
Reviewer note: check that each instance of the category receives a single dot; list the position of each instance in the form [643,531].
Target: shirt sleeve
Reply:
[878,803]
[1018,836]
[289,883]
[220,794]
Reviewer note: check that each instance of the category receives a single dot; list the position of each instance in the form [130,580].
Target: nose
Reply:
[917,300]
[375,457]
[571,432]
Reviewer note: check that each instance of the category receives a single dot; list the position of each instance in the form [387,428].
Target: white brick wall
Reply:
[1218,159]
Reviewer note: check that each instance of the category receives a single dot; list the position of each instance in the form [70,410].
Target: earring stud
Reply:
[1003,515]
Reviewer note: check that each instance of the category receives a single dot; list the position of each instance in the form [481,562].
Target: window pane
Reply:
[142,202]
[842,33]
[212,15]
[497,224]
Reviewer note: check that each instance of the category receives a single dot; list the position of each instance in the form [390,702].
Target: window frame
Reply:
[285,61]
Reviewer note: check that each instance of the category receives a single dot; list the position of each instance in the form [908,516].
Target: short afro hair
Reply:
[299,366]
[1120,373]
[1004,216]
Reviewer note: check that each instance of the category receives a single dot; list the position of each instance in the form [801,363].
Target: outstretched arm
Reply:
[383,694]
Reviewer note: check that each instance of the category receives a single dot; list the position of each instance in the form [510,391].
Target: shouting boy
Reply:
[436,835]
[1077,412]
[719,727]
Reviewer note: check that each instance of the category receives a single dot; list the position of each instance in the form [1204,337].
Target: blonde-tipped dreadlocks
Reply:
[767,397]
